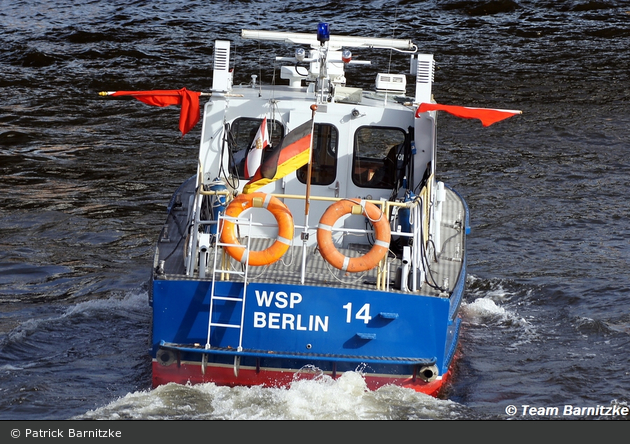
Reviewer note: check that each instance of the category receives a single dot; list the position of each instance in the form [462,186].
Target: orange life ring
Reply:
[382,233]
[285,229]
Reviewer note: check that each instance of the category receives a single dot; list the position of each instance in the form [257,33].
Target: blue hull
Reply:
[289,327]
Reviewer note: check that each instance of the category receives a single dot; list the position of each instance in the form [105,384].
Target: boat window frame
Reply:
[322,173]
[238,156]
[379,172]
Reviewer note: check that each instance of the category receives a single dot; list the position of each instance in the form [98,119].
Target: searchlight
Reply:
[300,54]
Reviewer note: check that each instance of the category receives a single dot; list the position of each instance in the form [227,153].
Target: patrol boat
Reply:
[315,237]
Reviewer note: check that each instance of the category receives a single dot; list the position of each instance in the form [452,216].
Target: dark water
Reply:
[85,183]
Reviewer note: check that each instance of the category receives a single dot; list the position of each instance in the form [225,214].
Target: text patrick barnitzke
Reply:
[66,433]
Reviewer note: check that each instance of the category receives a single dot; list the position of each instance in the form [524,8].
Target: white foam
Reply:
[321,398]
[129,301]
[487,310]
[482,308]
[9,367]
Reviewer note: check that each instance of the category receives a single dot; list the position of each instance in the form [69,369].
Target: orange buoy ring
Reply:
[382,233]
[285,229]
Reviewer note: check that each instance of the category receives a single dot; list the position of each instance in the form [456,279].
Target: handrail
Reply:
[421,207]
[409,204]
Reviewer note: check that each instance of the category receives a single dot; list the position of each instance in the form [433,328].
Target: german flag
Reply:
[291,154]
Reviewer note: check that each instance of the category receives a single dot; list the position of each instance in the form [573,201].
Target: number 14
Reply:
[363,313]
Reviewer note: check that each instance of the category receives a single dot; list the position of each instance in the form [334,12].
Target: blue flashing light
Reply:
[323,33]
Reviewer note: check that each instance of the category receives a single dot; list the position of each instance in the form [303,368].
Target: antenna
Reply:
[391,51]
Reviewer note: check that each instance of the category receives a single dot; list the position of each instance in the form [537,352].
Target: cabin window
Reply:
[324,168]
[376,154]
[243,131]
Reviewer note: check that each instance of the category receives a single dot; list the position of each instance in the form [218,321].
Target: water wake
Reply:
[320,398]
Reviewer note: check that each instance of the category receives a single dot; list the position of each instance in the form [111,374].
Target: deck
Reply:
[444,267]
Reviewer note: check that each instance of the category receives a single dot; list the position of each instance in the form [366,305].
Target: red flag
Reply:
[189,101]
[486,115]
[254,156]
[291,154]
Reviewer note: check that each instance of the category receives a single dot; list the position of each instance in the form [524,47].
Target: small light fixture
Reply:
[323,33]
[356,113]
[300,54]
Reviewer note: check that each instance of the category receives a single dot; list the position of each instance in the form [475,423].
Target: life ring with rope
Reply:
[283,217]
[382,234]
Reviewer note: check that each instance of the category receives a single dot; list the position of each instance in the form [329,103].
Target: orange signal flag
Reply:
[189,101]
[487,116]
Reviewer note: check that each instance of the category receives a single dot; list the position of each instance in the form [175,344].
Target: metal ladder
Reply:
[217,270]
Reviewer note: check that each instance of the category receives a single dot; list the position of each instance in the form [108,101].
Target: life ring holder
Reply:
[283,217]
[382,234]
